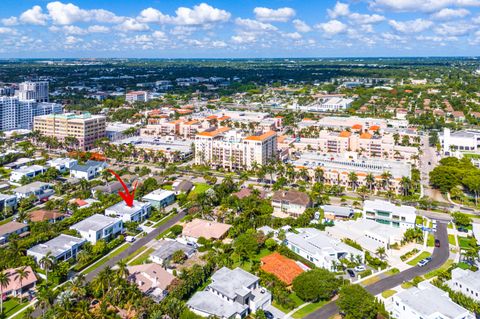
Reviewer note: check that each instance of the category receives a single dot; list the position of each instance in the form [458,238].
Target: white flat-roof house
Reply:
[368,233]
[62,164]
[62,247]
[137,213]
[40,190]
[387,213]
[7,201]
[97,227]
[160,198]
[318,248]
[463,141]
[466,281]
[232,294]
[26,171]
[88,171]
[426,302]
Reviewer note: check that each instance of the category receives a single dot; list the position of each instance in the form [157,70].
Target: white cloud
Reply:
[159,35]
[98,29]
[68,13]
[332,27]
[293,35]
[72,40]
[301,26]
[200,14]
[4,30]
[181,30]
[423,5]
[243,38]
[366,18]
[447,14]
[34,15]
[453,29]
[132,25]
[279,15]
[410,26]
[254,25]
[10,21]
[72,29]
[340,10]
[152,15]
[219,44]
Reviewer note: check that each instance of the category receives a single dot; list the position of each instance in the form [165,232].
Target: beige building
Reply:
[85,127]
[227,148]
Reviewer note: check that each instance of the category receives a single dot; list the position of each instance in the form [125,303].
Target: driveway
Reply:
[439,257]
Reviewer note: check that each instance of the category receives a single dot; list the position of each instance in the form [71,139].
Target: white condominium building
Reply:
[30,90]
[463,141]
[390,214]
[223,147]
[136,96]
[17,114]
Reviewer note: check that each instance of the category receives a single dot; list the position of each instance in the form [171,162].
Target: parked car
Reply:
[351,273]
[129,239]
[360,268]
[462,229]
[437,242]
[423,262]
[268,314]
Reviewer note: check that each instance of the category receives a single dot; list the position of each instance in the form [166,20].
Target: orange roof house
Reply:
[214,132]
[374,128]
[357,127]
[281,267]
[366,136]
[261,137]
[345,134]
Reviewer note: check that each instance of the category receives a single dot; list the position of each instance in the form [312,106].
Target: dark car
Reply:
[351,273]
[268,315]
[462,229]
[437,243]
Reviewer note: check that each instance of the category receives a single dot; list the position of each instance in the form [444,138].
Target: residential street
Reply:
[439,257]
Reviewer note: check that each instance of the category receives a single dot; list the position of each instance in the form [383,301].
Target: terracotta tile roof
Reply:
[14,283]
[292,196]
[11,227]
[183,111]
[224,118]
[216,132]
[262,137]
[357,126]
[282,267]
[191,122]
[80,202]
[374,128]
[44,215]
[211,117]
[345,134]
[366,136]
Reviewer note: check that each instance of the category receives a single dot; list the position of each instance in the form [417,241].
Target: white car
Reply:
[360,268]
[129,239]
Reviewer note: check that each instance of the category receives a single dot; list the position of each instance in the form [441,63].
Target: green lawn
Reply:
[6,220]
[423,255]
[106,258]
[199,188]
[308,309]
[142,257]
[11,306]
[430,240]
[438,271]
[167,187]
[406,285]
[294,298]
[388,293]
[464,242]
[370,280]
[451,239]
[463,265]
[135,253]
[163,221]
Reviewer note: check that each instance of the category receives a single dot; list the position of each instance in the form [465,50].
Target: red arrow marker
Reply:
[127,197]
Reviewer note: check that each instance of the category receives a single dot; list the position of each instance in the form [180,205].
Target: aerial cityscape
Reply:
[264,159]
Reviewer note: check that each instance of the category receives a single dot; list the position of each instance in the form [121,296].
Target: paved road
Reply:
[439,257]
[130,250]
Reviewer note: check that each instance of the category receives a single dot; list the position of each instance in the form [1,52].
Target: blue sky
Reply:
[238,28]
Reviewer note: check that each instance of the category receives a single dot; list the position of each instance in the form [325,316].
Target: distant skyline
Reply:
[238,29]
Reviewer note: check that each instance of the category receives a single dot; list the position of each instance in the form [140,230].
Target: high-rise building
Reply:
[86,128]
[232,149]
[16,114]
[30,90]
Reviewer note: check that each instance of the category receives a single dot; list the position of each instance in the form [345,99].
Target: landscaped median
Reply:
[423,255]
[104,259]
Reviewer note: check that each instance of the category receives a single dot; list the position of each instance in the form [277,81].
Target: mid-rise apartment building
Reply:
[390,214]
[86,128]
[33,90]
[231,149]
[19,114]
[136,96]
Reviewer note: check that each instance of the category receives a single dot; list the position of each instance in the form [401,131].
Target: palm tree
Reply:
[319,174]
[22,216]
[353,178]
[386,177]
[4,282]
[47,263]
[381,253]
[370,180]
[406,185]
[22,274]
[122,271]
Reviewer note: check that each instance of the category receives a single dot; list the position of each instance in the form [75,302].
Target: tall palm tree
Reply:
[406,185]
[122,271]
[386,177]
[370,179]
[319,174]
[22,274]
[353,178]
[4,282]
[381,252]
[47,263]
